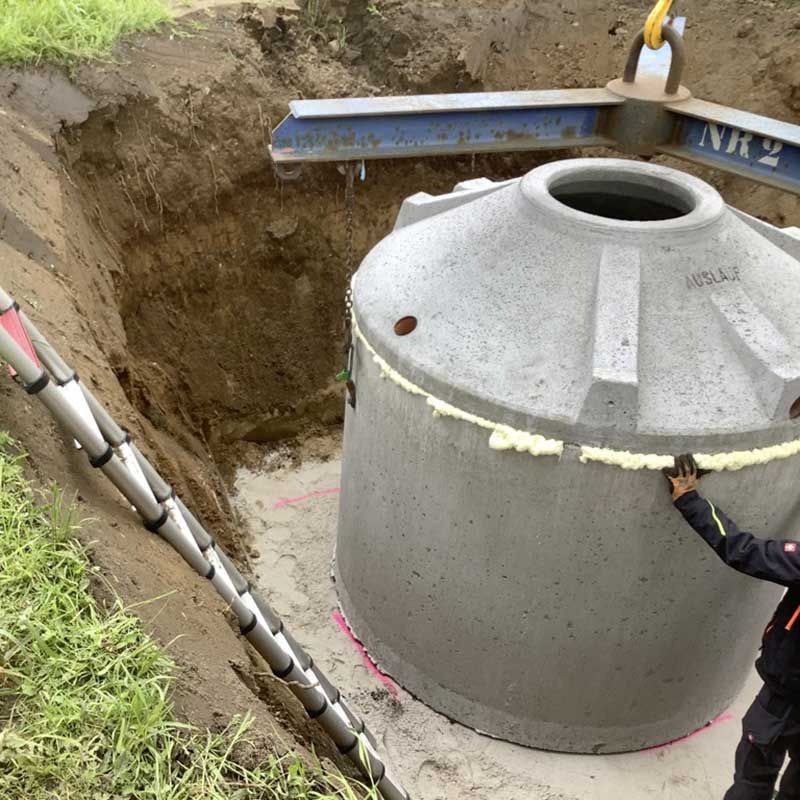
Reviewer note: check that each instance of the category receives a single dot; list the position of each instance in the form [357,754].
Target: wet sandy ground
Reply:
[292,512]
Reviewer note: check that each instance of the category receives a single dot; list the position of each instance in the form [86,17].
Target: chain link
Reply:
[349,259]
[349,212]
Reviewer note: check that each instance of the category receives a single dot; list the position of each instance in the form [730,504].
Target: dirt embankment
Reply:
[142,226]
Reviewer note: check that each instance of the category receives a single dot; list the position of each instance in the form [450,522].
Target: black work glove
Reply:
[684,476]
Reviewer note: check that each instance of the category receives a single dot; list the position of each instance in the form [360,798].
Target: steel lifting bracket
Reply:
[646,112]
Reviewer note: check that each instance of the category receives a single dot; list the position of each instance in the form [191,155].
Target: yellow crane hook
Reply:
[655,21]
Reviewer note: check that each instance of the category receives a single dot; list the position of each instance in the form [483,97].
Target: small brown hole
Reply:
[405,325]
[794,411]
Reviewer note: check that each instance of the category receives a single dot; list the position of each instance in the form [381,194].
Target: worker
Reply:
[771,726]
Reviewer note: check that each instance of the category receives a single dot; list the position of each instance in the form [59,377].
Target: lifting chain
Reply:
[346,375]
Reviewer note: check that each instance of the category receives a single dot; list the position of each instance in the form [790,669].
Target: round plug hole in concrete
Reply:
[405,325]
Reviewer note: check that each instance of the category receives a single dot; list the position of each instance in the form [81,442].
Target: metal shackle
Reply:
[675,41]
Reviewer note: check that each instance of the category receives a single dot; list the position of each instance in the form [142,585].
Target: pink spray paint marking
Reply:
[291,501]
[390,685]
[725,717]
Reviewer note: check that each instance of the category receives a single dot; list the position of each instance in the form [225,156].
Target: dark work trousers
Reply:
[771,730]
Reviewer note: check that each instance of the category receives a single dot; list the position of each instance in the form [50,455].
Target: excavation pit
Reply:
[200,297]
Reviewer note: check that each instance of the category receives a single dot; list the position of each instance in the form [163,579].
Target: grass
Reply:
[315,13]
[84,695]
[65,31]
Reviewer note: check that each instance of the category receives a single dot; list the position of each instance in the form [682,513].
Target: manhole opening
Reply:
[648,199]
[405,325]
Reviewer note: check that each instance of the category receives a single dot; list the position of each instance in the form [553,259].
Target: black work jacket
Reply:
[776,560]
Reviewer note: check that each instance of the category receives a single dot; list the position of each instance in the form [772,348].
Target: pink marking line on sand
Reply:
[390,685]
[290,501]
[725,717]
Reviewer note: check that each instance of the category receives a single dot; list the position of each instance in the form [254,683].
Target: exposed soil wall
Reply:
[229,281]
[143,228]
[231,284]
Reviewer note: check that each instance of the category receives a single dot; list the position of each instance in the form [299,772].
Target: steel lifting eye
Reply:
[675,41]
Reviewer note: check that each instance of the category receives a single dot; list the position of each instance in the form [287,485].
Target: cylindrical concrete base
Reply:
[482,583]
[590,321]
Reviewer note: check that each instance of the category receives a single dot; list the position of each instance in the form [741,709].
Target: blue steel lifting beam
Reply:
[646,112]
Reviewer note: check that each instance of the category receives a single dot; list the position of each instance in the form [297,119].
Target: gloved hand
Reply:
[684,476]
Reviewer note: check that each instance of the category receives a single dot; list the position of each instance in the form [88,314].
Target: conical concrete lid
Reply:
[601,301]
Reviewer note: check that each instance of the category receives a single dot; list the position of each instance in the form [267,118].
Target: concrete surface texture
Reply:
[543,600]
[292,512]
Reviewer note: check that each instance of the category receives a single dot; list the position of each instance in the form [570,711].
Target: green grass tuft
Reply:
[65,31]
[84,696]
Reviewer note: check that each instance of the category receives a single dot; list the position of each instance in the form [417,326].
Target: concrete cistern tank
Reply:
[528,355]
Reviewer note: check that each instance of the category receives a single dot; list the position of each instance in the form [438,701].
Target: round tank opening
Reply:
[794,411]
[405,325]
[628,197]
